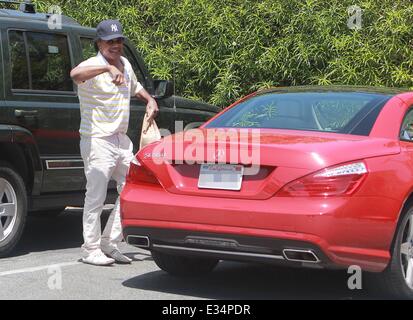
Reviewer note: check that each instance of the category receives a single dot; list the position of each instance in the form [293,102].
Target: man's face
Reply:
[111,49]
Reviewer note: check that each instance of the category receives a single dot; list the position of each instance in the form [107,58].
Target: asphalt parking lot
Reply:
[46,266]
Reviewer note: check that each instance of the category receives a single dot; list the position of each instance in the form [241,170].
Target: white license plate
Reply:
[221,176]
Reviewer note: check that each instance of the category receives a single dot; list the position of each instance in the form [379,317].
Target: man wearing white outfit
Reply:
[105,84]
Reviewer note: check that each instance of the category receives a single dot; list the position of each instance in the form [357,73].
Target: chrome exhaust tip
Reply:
[138,241]
[298,255]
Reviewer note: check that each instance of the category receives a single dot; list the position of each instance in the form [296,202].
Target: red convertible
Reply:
[307,176]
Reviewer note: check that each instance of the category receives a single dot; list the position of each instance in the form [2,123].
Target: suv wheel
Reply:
[397,279]
[13,208]
[183,266]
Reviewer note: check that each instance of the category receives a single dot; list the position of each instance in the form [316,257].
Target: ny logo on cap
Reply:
[114,28]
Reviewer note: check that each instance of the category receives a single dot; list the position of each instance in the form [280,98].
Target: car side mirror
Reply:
[163,88]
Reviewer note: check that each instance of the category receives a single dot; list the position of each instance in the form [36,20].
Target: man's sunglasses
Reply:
[115,41]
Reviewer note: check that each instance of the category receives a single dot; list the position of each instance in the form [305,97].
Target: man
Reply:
[105,84]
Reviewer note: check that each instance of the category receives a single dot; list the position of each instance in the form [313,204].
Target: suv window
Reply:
[40,61]
[18,65]
[135,66]
[89,50]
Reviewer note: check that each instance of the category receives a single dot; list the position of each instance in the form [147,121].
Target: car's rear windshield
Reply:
[343,112]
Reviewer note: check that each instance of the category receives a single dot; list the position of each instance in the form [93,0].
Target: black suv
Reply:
[40,164]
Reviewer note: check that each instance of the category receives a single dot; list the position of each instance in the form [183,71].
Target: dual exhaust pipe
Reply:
[294,255]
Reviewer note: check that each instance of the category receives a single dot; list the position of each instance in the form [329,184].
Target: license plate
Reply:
[221,176]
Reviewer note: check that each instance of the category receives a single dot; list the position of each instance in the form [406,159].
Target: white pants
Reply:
[104,158]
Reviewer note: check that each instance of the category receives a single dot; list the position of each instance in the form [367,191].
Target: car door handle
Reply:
[23,113]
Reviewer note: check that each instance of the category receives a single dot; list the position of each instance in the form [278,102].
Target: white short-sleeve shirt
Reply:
[105,107]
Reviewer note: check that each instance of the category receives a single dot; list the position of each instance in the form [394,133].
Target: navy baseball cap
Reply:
[109,29]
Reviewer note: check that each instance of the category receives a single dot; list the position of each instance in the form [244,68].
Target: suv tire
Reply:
[183,266]
[13,208]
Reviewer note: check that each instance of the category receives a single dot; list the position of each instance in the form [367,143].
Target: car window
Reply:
[18,61]
[328,112]
[406,132]
[40,61]
[334,114]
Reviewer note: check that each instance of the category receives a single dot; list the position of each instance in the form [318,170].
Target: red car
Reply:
[305,176]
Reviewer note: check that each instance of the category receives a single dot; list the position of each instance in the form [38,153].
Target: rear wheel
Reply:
[397,279]
[183,266]
[13,208]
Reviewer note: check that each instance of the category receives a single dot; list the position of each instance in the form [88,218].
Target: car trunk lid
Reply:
[271,157]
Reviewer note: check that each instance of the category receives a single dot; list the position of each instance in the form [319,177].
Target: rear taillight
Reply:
[138,173]
[340,180]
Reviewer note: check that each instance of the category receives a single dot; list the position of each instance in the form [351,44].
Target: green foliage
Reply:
[333,115]
[219,50]
[257,116]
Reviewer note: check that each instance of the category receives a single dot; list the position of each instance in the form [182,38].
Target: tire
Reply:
[183,266]
[393,281]
[13,200]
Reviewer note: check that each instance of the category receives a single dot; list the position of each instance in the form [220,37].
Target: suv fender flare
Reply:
[5,133]
[11,134]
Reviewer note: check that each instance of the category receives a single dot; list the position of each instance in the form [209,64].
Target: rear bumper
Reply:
[340,231]
[226,247]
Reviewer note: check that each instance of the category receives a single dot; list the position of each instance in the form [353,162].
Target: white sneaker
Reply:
[118,256]
[97,258]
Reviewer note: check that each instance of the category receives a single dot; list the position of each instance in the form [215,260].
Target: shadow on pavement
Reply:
[231,280]
[43,233]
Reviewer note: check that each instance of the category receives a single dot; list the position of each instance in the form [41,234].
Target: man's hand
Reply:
[152,108]
[151,105]
[117,75]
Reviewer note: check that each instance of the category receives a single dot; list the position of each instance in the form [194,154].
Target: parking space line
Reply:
[40,268]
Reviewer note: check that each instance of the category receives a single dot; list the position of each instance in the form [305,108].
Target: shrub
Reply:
[218,50]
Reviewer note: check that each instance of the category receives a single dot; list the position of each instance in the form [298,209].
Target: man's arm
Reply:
[81,74]
[151,105]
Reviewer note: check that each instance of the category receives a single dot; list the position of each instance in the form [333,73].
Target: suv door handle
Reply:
[23,113]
